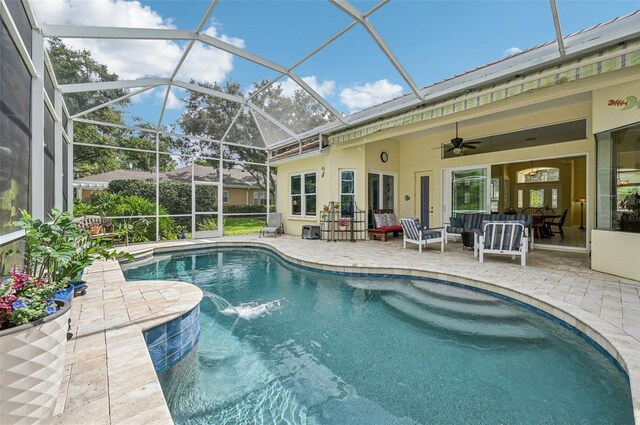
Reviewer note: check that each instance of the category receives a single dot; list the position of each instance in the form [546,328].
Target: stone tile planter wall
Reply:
[169,342]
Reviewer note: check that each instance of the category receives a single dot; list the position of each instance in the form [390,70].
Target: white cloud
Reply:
[173,101]
[132,59]
[512,51]
[324,89]
[359,97]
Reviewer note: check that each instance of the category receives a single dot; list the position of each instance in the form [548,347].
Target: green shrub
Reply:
[108,204]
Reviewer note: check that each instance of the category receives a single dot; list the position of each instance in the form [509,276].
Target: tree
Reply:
[77,66]
[211,116]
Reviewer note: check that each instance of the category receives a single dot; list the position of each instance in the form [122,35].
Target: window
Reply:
[618,179]
[259,198]
[539,174]
[225,197]
[347,189]
[495,195]
[303,194]
[536,198]
[554,197]
[520,198]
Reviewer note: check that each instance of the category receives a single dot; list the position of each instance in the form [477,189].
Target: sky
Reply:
[433,40]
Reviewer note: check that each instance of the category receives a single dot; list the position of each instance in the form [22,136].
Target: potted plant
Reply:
[343,223]
[33,330]
[33,323]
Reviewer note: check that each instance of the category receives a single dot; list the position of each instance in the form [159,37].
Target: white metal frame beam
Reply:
[558,27]
[318,49]
[352,11]
[185,54]
[70,31]
[166,133]
[113,85]
[111,102]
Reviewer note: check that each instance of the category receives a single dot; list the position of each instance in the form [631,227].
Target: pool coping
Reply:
[620,346]
[109,377]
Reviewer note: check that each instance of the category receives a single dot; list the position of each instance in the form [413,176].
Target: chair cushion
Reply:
[431,234]
[381,220]
[391,228]
[453,229]
[391,219]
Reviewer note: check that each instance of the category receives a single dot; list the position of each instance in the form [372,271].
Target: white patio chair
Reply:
[502,237]
[412,233]
[274,225]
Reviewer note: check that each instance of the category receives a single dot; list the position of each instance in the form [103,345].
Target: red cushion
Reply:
[390,228]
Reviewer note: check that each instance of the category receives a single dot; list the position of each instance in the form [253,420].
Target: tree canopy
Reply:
[77,66]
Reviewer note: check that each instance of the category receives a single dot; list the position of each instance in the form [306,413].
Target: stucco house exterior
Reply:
[555,131]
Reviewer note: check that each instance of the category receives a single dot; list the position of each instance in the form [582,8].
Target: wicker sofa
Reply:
[462,222]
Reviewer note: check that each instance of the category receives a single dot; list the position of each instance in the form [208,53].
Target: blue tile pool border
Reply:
[568,326]
[170,342]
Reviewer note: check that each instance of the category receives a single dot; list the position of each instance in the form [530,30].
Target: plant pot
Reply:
[182,235]
[31,367]
[343,228]
[65,295]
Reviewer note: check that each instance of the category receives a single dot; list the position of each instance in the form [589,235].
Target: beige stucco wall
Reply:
[242,196]
[617,253]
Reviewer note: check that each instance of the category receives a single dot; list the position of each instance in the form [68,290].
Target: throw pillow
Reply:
[391,219]
[380,219]
[456,222]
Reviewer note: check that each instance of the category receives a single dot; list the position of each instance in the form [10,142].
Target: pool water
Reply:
[284,344]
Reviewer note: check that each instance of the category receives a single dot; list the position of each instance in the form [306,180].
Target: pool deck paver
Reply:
[109,376]
[605,307]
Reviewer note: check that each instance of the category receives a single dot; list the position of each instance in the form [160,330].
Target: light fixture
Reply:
[582,200]
[532,173]
[622,182]
[457,150]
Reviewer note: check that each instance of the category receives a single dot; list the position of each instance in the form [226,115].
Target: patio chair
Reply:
[502,237]
[274,225]
[414,233]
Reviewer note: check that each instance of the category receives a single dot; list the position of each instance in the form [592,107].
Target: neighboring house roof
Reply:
[233,178]
[543,56]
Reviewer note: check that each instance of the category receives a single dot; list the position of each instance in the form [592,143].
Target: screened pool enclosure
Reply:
[167,179]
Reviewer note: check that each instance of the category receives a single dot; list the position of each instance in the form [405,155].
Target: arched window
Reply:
[539,174]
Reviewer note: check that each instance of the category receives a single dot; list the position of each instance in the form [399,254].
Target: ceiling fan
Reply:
[458,144]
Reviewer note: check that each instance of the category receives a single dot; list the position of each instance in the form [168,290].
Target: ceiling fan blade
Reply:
[469,146]
[473,143]
[451,148]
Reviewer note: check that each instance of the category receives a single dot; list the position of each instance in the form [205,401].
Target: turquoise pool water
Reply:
[283,344]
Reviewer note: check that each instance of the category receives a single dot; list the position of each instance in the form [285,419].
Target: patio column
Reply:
[59,173]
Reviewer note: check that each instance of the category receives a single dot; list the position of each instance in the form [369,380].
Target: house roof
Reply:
[234,177]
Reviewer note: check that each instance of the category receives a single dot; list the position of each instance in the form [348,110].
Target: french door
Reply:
[382,191]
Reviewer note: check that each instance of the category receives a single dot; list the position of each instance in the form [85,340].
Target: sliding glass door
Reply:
[466,191]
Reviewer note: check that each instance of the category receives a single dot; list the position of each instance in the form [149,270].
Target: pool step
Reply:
[461,308]
[450,292]
[485,308]
[477,330]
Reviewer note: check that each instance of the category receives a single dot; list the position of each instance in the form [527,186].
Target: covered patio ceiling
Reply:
[273,131]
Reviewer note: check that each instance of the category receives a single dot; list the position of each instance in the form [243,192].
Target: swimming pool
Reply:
[284,344]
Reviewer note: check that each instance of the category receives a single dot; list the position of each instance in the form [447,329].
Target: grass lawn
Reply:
[242,225]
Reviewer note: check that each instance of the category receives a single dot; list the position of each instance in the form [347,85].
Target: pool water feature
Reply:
[323,348]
